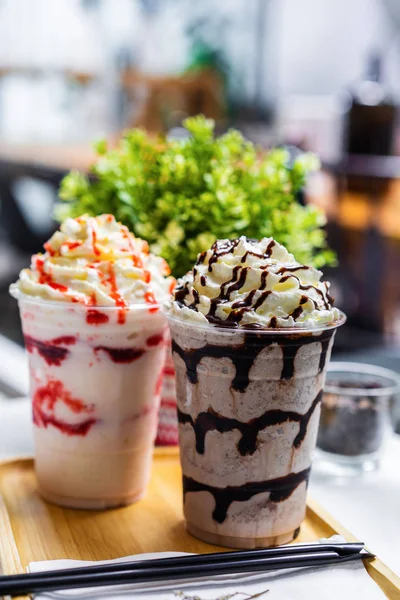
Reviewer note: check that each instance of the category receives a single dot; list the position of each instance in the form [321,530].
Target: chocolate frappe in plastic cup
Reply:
[252,334]
[96,341]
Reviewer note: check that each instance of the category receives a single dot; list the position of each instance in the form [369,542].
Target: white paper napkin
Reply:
[344,582]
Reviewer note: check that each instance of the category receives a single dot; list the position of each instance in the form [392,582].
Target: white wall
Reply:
[311,47]
[322,44]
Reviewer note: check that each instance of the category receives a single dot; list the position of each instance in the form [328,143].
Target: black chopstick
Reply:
[137,573]
[342,549]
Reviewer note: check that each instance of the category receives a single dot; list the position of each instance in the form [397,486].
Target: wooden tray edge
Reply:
[384,577]
[9,555]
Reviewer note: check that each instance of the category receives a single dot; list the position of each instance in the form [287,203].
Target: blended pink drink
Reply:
[96,338]
[252,332]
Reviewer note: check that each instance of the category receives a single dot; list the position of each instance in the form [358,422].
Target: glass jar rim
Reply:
[348,367]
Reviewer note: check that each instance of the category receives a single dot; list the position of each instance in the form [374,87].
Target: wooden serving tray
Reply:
[33,530]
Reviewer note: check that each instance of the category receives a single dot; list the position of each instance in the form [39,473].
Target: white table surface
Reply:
[368,506]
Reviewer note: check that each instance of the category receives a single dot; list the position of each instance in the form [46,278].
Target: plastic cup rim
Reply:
[261,331]
[349,367]
[80,306]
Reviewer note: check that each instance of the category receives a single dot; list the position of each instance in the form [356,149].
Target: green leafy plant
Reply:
[181,195]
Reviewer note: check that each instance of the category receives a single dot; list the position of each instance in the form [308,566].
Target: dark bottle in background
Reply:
[371,116]
[366,168]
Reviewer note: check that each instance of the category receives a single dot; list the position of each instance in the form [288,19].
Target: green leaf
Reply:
[183,195]
[100,146]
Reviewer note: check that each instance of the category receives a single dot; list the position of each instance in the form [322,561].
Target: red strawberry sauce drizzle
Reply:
[67,340]
[155,340]
[170,371]
[95,317]
[169,403]
[73,245]
[146,410]
[46,278]
[137,261]
[49,249]
[53,351]
[149,299]
[116,296]
[159,383]
[44,402]
[96,250]
[121,355]
[129,355]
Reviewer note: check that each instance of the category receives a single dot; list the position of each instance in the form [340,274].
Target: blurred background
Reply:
[319,75]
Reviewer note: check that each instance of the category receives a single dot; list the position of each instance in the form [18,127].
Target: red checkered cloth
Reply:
[167,434]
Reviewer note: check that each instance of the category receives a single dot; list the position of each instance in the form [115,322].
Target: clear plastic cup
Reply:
[167,433]
[248,411]
[95,378]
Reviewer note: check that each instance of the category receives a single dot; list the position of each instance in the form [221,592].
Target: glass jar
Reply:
[355,417]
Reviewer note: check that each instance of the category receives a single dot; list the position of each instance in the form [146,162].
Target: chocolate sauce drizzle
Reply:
[225,294]
[243,355]
[211,420]
[223,247]
[292,269]
[220,248]
[269,249]
[261,299]
[267,253]
[180,294]
[237,285]
[327,306]
[280,489]
[264,276]
[196,298]
[245,302]
[296,313]
[237,282]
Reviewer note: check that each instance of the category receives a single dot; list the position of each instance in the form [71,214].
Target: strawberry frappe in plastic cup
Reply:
[96,338]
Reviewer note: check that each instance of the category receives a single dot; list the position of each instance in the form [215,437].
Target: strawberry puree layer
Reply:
[44,402]
[167,433]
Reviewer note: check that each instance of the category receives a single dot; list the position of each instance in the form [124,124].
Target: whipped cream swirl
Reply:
[244,282]
[97,262]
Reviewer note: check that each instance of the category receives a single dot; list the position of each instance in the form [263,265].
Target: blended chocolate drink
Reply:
[252,334]
[96,338]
